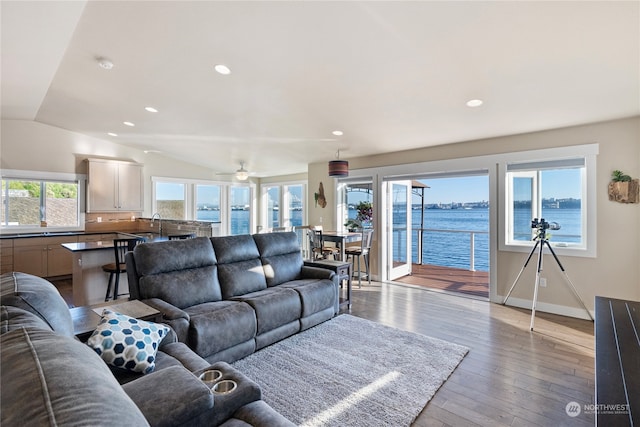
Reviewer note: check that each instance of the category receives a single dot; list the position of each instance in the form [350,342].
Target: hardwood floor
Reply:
[448,279]
[511,376]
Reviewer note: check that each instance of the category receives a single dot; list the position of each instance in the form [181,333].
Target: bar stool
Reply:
[182,236]
[318,251]
[120,247]
[361,251]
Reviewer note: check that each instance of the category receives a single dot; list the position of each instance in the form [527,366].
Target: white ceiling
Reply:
[391,75]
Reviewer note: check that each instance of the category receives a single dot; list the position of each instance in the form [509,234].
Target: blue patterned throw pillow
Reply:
[127,342]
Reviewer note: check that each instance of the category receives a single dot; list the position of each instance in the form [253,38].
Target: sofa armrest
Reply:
[316,273]
[170,397]
[226,405]
[186,356]
[169,311]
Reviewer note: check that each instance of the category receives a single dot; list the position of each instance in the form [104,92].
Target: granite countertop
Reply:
[48,234]
[108,244]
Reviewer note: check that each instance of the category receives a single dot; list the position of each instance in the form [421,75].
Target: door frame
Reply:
[388,190]
[406,171]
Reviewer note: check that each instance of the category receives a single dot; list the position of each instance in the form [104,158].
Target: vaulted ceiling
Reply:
[390,75]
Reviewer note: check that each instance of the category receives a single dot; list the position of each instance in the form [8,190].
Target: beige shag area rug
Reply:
[350,371]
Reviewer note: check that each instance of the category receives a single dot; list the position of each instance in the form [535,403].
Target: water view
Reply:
[450,249]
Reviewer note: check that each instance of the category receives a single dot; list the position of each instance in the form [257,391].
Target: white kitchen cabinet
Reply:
[114,186]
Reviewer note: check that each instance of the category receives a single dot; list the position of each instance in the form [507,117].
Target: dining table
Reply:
[341,238]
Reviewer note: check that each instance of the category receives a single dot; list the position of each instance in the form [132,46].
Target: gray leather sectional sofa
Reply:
[51,378]
[226,297]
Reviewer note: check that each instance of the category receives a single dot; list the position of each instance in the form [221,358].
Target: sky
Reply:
[559,184]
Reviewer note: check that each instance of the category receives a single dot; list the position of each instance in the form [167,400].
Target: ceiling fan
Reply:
[241,174]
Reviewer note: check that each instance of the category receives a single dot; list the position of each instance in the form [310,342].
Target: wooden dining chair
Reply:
[120,248]
[318,251]
[361,250]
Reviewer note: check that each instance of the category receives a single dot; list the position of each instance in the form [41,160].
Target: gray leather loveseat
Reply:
[226,297]
[51,378]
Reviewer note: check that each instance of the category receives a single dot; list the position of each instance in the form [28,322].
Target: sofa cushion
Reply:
[270,244]
[231,249]
[183,288]
[50,379]
[126,342]
[173,255]
[281,256]
[12,318]
[274,307]
[39,296]
[241,278]
[220,325]
[239,266]
[180,272]
[316,295]
[283,268]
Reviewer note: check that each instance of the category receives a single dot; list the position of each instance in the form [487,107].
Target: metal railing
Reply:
[420,241]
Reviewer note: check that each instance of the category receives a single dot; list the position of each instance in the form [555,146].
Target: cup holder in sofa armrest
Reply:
[224,387]
[226,404]
[171,396]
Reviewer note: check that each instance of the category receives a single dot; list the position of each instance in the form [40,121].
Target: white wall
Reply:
[28,145]
[615,272]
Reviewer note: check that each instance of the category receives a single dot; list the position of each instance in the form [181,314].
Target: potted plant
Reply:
[364,216]
[623,188]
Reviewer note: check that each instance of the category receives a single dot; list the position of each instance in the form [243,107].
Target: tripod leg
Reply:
[520,274]
[566,276]
[537,284]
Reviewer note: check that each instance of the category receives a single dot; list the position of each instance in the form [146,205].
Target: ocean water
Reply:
[445,248]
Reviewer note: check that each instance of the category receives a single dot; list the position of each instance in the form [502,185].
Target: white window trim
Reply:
[15,174]
[190,199]
[283,199]
[589,152]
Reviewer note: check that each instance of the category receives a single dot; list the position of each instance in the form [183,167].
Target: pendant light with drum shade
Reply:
[338,168]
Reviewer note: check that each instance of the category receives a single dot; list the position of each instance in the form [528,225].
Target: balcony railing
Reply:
[421,236]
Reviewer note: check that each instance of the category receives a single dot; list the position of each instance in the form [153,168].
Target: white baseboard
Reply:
[563,310]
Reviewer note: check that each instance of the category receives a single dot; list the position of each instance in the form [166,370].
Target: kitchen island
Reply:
[89,280]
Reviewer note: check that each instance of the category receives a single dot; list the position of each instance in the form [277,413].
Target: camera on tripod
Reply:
[543,225]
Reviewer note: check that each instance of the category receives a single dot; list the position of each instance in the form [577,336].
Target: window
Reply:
[283,205]
[34,202]
[272,204]
[240,201]
[293,202]
[208,202]
[554,190]
[228,204]
[170,200]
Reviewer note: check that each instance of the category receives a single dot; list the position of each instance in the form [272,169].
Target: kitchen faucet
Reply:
[159,222]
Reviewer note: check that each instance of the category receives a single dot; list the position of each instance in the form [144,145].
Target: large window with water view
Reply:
[551,190]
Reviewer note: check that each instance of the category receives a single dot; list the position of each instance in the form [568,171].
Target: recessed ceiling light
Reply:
[337,133]
[129,124]
[222,69]
[151,109]
[474,103]
[112,134]
[105,64]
